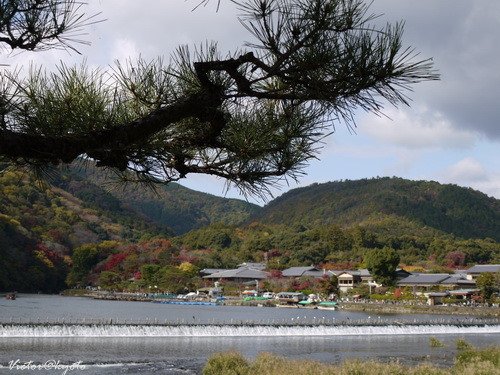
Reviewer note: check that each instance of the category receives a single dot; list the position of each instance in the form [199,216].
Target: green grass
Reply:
[468,362]
[463,345]
[435,343]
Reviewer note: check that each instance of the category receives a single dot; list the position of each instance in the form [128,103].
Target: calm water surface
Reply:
[145,354]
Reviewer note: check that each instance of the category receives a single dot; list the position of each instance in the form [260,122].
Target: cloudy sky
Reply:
[451,133]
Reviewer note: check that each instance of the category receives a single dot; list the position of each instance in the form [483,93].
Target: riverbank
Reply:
[375,308]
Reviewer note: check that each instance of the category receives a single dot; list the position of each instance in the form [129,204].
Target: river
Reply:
[110,337]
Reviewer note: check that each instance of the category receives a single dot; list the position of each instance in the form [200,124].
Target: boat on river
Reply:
[323,305]
[288,298]
[10,296]
[328,305]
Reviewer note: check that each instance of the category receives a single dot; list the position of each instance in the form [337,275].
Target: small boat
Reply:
[328,305]
[10,296]
[290,297]
[291,306]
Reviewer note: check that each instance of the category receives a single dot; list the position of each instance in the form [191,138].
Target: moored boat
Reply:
[328,305]
[10,296]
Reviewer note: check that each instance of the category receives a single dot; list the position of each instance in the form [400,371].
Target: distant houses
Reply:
[460,284]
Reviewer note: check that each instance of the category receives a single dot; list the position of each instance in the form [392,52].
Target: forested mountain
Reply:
[42,222]
[430,225]
[26,264]
[459,211]
[43,226]
[167,206]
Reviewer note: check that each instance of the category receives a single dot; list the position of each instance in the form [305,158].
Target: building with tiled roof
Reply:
[239,275]
[302,271]
[474,272]
[424,282]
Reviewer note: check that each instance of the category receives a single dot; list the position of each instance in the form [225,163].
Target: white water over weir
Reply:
[126,330]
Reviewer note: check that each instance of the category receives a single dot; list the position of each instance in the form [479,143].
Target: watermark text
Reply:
[51,364]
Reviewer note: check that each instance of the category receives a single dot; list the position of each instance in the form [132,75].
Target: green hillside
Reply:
[26,264]
[41,223]
[430,225]
[169,206]
[451,209]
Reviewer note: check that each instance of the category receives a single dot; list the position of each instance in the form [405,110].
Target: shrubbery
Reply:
[469,362]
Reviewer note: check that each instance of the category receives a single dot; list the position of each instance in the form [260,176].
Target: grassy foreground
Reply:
[468,362]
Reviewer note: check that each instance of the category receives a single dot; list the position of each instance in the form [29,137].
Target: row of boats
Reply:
[297,299]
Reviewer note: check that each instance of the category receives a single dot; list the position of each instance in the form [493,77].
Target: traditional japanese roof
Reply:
[315,273]
[436,279]
[438,294]
[463,292]
[458,279]
[255,266]
[351,273]
[299,271]
[238,273]
[335,272]
[209,271]
[363,272]
[400,272]
[480,268]
[424,279]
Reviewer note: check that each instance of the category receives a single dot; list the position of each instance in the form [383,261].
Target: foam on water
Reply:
[62,330]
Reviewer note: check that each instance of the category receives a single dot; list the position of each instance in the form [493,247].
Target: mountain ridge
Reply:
[459,211]
[174,206]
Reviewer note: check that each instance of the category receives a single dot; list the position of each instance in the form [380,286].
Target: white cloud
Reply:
[417,130]
[467,170]
[470,172]
[462,38]
[124,49]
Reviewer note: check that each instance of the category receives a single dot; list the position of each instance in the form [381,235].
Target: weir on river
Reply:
[299,326]
[72,331]
[296,321]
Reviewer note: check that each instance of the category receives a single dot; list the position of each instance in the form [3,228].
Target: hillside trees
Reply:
[415,208]
[488,283]
[86,257]
[251,117]
[27,265]
[382,265]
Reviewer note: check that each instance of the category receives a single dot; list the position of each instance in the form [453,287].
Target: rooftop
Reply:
[424,279]
[298,271]
[256,266]
[238,273]
[209,271]
[480,268]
